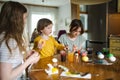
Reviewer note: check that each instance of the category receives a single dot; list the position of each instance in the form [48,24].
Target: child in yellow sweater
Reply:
[45,44]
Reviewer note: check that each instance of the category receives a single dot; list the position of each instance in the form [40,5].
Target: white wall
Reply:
[64,17]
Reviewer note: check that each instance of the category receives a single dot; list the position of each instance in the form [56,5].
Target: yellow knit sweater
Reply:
[49,47]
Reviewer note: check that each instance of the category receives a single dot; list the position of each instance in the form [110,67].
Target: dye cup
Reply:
[63,56]
[70,56]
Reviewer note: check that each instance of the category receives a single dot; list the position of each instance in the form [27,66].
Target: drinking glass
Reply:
[105,51]
[90,53]
[63,56]
[70,56]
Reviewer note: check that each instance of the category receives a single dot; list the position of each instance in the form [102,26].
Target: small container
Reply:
[63,56]
[55,62]
[77,58]
[105,51]
[90,50]
[79,52]
[70,56]
[90,53]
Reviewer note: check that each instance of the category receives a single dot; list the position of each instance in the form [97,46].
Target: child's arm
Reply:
[58,45]
[39,43]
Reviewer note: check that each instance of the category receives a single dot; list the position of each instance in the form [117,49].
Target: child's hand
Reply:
[74,48]
[41,43]
[66,48]
[33,57]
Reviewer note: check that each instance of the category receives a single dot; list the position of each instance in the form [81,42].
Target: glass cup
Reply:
[105,51]
[90,53]
[63,56]
[70,56]
[90,50]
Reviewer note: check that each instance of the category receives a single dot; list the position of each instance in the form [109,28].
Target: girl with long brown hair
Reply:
[12,44]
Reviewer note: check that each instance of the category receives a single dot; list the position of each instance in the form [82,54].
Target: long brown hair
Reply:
[12,23]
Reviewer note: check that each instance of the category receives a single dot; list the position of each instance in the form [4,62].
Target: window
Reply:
[83,17]
[82,8]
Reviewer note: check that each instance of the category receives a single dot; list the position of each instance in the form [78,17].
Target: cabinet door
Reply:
[114,42]
[115,51]
[115,46]
[114,24]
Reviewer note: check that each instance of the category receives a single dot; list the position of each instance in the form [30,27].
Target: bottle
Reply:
[77,58]
[55,62]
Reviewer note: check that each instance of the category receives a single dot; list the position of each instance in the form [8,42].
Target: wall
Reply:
[64,17]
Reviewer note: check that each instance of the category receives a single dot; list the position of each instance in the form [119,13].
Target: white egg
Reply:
[101,56]
[112,59]
[54,60]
